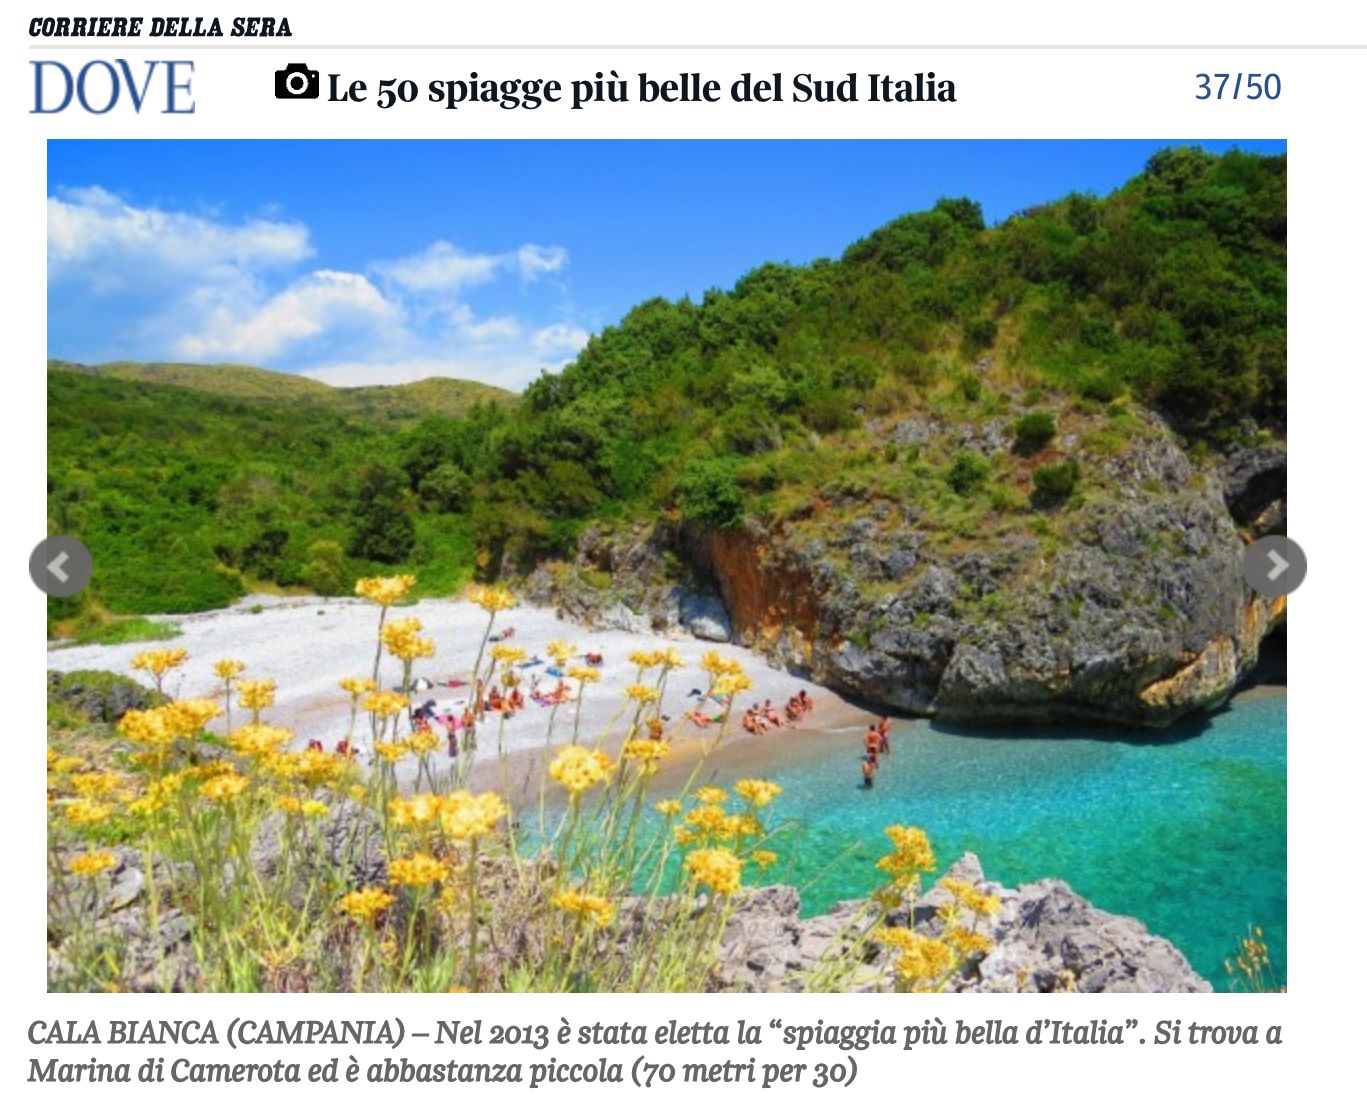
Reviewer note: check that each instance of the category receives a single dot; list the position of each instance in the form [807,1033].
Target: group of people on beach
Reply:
[759,720]
[877,743]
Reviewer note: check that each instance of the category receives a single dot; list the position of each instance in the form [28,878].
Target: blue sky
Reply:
[367,262]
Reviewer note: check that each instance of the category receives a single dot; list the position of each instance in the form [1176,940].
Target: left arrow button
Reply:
[61,566]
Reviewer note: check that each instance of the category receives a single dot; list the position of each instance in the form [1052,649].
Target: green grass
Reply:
[127,630]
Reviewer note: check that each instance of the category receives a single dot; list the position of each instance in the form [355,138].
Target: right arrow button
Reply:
[1274,565]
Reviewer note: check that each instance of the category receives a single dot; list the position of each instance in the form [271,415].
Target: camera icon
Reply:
[296,82]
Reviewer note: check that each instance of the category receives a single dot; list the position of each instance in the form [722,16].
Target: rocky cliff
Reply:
[1046,939]
[1125,604]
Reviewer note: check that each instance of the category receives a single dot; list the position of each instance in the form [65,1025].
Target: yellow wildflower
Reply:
[578,769]
[897,938]
[365,905]
[229,669]
[186,717]
[579,904]
[709,820]
[419,870]
[670,658]
[91,863]
[87,813]
[466,816]
[584,674]
[386,704]
[710,794]
[668,808]
[402,640]
[647,753]
[97,785]
[922,959]
[719,870]
[356,687]
[423,742]
[911,855]
[491,599]
[147,727]
[159,661]
[645,659]
[561,651]
[391,751]
[68,765]
[416,811]
[385,591]
[259,740]
[758,792]
[640,693]
[982,904]
[741,826]
[732,683]
[714,663]
[763,858]
[508,654]
[158,795]
[967,942]
[256,694]
[221,789]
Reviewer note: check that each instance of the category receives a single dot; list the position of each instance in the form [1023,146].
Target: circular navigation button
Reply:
[1274,565]
[61,566]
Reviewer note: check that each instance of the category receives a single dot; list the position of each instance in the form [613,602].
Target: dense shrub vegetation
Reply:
[1170,292]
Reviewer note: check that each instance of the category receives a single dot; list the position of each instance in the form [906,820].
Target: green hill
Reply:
[798,397]
[434,396]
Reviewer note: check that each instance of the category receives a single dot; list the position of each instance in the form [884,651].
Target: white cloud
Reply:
[306,309]
[469,327]
[441,266]
[90,225]
[141,282]
[562,337]
[535,261]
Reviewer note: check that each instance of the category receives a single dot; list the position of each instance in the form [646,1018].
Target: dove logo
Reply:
[99,86]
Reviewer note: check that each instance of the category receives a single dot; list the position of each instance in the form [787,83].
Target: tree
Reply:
[381,527]
[708,492]
[446,488]
[325,570]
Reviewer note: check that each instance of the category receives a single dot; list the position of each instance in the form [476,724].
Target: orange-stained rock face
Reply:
[766,599]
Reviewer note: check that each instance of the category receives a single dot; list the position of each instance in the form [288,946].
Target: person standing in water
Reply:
[884,735]
[872,744]
[869,767]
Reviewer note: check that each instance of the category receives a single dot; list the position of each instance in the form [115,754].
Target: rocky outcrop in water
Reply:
[1127,606]
[1045,937]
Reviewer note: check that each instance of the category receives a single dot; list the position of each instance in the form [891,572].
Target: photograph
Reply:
[666,566]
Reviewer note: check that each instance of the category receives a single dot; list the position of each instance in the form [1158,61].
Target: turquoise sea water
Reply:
[1185,830]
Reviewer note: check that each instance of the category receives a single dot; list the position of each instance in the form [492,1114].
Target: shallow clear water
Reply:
[1185,830]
